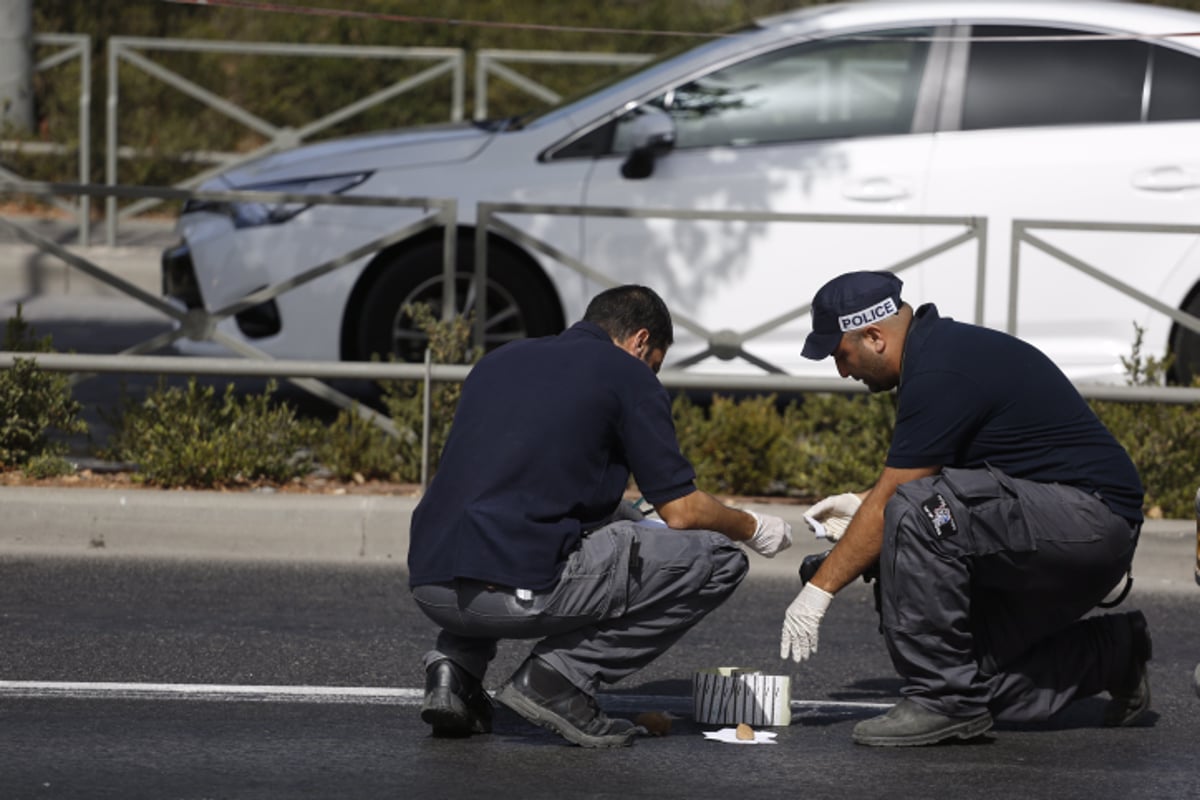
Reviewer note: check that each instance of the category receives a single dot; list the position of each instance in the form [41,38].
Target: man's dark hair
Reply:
[624,310]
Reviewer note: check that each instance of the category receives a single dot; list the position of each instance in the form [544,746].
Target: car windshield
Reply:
[622,74]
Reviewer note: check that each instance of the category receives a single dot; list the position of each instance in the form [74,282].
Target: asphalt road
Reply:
[120,678]
[163,645]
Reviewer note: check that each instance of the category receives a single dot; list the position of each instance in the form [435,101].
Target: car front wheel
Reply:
[518,304]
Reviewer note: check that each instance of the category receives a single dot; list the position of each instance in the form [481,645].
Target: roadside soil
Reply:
[103,479]
[92,479]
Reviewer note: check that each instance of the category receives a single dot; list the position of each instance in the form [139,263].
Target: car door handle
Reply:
[876,190]
[1167,179]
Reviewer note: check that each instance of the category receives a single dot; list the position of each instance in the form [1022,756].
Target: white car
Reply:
[899,125]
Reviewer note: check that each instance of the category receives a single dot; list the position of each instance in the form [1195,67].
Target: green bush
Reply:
[449,343]
[190,437]
[34,403]
[354,447]
[1161,438]
[739,446]
[48,465]
[825,444]
[844,440]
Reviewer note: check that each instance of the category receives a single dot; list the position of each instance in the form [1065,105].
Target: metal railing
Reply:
[448,61]
[725,344]
[71,46]
[494,63]
[490,64]
[1021,233]
[200,323]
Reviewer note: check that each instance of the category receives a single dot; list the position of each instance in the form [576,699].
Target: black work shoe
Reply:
[541,695]
[1131,692]
[455,703]
[908,724]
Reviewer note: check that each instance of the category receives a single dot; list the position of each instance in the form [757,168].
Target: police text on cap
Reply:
[861,319]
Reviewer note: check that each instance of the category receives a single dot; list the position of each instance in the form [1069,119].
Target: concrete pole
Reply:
[16,64]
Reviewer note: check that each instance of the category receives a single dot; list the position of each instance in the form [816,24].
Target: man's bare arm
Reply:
[859,547]
[700,510]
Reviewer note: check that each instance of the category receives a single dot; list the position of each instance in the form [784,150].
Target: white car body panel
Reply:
[721,274]
[1083,174]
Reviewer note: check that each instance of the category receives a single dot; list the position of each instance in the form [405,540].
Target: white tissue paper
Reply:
[818,527]
[729,736]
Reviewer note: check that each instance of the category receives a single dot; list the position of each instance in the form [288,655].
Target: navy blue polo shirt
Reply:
[545,437]
[971,395]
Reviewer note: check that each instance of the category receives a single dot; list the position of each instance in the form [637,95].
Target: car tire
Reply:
[519,304]
[1185,347]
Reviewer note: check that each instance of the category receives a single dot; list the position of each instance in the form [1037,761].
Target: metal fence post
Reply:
[426,404]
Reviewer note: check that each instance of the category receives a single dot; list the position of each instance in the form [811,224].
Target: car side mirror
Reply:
[651,133]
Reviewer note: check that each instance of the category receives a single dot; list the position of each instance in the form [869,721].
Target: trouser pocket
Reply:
[989,510]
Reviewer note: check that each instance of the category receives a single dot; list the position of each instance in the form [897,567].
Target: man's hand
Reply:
[801,622]
[771,535]
[835,513]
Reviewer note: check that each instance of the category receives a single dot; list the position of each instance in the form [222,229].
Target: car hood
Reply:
[417,146]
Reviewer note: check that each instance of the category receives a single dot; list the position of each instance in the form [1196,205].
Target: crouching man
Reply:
[1005,512]
[523,533]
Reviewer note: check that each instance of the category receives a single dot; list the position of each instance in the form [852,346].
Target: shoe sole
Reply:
[449,716]
[546,718]
[967,729]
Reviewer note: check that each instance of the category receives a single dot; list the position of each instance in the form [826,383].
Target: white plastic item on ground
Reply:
[729,695]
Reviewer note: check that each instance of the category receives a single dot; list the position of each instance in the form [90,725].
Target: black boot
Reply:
[539,694]
[1130,689]
[455,702]
[909,724]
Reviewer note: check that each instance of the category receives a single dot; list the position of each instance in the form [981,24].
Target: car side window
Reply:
[1023,76]
[843,87]
[1175,86]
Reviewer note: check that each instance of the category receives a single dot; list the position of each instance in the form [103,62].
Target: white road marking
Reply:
[360,695]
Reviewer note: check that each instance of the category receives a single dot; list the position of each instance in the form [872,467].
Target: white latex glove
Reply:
[801,622]
[835,513]
[771,535]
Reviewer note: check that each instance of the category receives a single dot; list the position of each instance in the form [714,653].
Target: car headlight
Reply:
[252,214]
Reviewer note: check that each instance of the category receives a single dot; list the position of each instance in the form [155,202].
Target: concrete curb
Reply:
[148,523]
[195,524]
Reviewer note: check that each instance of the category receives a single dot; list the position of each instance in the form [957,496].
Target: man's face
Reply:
[859,356]
[654,358]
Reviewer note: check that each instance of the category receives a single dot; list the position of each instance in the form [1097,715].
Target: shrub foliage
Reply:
[817,445]
[190,436]
[355,446]
[34,405]
[1162,439]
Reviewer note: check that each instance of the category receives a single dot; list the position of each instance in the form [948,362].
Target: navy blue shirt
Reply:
[546,434]
[970,395]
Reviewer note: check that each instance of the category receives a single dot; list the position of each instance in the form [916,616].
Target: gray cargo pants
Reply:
[984,581]
[626,594]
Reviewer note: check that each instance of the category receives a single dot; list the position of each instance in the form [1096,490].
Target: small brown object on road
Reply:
[656,723]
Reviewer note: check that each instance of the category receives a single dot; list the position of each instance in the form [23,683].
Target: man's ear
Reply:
[873,335]
[642,339]
[636,344]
